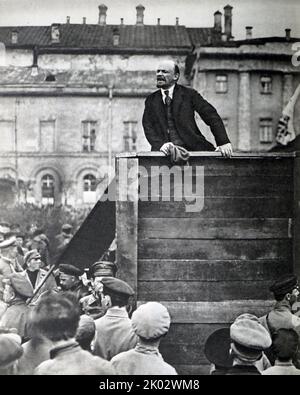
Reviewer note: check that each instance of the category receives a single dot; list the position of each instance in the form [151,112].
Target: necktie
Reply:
[168,100]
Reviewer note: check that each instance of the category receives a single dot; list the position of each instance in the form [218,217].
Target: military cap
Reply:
[217,347]
[8,242]
[116,285]
[250,334]
[70,269]
[284,284]
[11,349]
[151,320]
[20,284]
[103,268]
[30,255]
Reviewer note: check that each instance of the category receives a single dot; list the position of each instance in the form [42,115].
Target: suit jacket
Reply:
[185,102]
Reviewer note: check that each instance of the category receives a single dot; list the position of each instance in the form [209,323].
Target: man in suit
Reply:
[169,116]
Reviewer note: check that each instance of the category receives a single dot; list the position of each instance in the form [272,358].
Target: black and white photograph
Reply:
[149,190]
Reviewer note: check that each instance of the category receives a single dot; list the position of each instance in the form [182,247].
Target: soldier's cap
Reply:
[116,285]
[8,242]
[32,254]
[249,338]
[5,227]
[20,284]
[217,347]
[11,349]
[66,227]
[70,269]
[284,284]
[103,268]
[151,320]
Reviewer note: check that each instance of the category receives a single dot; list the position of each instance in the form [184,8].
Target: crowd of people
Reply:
[69,321]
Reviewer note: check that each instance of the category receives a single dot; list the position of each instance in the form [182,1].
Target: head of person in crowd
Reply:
[20,239]
[10,351]
[66,229]
[248,339]
[86,332]
[101,269]
[9,247]
[217,351]
[57,317]
[285,344]
[69,276]
[32,261]
[151,321]
[4,230]
[116,292]
[16,286]
[286,288]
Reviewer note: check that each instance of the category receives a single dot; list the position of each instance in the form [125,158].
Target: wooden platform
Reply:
[207,266]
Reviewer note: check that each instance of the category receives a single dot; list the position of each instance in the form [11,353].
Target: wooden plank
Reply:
[237,167]
[211,228]
[214,249]
[212,312]
[207,270]
[222,207]
[217,186]
[192,291]
[127,218]
[296,229]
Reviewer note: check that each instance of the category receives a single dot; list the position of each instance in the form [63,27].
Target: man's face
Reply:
[8,293]
[66,281]
[20,241]
[165,75]
[34,264]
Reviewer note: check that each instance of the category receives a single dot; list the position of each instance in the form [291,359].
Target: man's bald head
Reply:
[167,74]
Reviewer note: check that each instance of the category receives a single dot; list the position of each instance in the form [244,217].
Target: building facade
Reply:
[72,96]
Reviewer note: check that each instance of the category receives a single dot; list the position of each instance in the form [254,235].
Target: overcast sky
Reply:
[268,17]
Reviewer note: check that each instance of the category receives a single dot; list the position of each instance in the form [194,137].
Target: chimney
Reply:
[116,37]
[34,68]
[224,37]
[140,14]
[288,34]
[55,34]
[158,21]
[177,21]
[84,20]
[14,37]
[102,14]
[249,32]
[122,21]
[228,21]
[218,21]
[68,20]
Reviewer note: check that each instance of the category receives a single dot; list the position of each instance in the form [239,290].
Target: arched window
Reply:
[48,183]
[89,188]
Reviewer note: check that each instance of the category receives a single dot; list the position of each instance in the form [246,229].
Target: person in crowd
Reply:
[20,240]
[86,332]
[5,228]
[114,330]
[169,116]
[36,275]
[248,341]
[10,352]
[58,319]
[151,322]
[92,304]
[16,293]
[69,280]
[37,349]
[285,346]
[65,236]
[39,241]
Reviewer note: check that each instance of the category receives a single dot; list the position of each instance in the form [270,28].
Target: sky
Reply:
[268,17]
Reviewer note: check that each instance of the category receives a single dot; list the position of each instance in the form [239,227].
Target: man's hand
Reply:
[226,150]
[165,148]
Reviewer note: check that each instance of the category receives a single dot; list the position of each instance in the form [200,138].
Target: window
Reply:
[265,84]
[221,83]
[88,135]
[48,189]
[89,188]
[130,135]
[266,130]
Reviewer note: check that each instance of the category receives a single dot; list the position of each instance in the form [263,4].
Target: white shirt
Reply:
[171,91]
